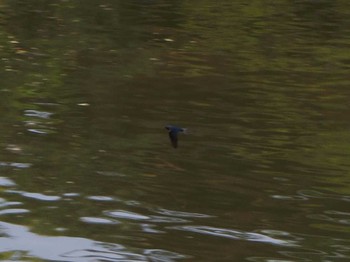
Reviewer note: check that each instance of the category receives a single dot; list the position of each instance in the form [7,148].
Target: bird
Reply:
[173,132]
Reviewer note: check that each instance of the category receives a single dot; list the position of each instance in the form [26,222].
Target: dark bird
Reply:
[173,132]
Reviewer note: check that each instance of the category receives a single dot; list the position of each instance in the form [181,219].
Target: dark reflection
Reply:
[87,87]
[321,17]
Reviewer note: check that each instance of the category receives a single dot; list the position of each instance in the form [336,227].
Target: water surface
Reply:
[87,172]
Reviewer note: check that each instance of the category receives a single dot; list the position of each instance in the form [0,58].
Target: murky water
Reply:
[87,171]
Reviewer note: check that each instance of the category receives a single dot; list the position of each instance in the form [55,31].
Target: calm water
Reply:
[87,172]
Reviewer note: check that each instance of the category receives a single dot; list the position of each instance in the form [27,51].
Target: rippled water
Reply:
[87,171]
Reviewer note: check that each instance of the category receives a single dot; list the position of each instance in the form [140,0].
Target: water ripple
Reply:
[303,195]
[37,196]
[286,197]
[6,182]
[4,203]
[163,255]
[98,220]
[321,195]
[148,228]
[36,113]
[323,248]
[38,131]
[180,213]
[72,194]
[101,198]
[166,219]
[14,211]
[265,259]
[126,215]
[16,165]
[332,217]
[15,238]
[40,196]
[97,255]
[234,234]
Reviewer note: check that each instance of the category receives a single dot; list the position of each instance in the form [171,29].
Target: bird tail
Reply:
[185,131]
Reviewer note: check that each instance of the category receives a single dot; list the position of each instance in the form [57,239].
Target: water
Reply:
[87,171]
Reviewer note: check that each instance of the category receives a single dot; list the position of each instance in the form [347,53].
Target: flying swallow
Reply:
[173,131]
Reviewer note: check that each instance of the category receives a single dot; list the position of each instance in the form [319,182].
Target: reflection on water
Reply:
[148,219]
[16,165]
[21,243]
[14,211]
[234,234]
[87,173]
[316,194]
[35,113]
[37,196]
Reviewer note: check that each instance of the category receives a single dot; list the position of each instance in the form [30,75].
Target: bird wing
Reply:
[173,138]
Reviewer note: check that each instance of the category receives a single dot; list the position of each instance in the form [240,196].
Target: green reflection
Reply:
[87,88]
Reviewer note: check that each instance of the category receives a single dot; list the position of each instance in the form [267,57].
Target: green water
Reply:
[87,171]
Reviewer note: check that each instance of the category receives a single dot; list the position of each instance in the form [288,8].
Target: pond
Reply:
[87,170]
